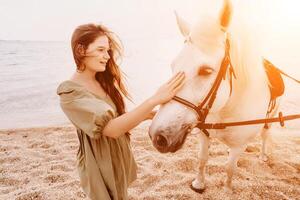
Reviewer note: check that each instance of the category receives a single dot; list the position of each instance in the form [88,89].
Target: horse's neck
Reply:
[248,100]
[250,92]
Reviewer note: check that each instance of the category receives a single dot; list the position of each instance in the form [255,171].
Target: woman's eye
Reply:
[205,71]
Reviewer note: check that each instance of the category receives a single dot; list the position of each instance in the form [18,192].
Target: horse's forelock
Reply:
[207,34]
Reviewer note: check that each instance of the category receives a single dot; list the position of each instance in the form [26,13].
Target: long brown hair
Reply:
[110,80]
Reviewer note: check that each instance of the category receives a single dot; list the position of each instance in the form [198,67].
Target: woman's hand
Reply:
[129,120]
[168,90]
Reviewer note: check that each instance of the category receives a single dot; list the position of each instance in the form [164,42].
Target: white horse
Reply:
[200,58]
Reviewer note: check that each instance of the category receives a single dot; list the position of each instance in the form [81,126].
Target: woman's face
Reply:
[96,55]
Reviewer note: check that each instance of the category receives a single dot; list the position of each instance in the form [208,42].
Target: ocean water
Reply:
[31,71]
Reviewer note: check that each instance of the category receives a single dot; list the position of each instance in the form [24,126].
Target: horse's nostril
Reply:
[161,141]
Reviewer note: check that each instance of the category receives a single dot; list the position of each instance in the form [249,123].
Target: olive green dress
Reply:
[106,165]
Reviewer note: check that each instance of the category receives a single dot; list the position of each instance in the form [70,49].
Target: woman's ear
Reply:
[80,50]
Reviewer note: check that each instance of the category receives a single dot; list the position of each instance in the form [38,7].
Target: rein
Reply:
[203,108]
[279,119]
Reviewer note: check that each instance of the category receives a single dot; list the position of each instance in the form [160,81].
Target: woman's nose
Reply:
[107,56]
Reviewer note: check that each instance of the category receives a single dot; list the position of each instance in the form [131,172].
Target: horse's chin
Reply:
[175,145]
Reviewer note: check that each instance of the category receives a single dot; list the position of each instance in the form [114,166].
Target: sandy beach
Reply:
[39,164]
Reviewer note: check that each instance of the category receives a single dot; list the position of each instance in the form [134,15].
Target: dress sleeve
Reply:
[86,113]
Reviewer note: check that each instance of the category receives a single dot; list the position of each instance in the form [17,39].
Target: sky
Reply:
[276,21]
[56,19]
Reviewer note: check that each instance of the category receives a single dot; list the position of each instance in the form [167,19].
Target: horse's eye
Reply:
[205,71]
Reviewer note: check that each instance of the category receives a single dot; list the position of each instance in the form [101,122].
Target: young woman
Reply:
[93,101]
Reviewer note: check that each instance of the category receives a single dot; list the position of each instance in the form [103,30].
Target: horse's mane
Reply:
[246,57]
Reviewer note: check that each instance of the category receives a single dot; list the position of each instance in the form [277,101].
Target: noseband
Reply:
[203,108]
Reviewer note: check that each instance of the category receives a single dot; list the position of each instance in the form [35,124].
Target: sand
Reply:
[39,163]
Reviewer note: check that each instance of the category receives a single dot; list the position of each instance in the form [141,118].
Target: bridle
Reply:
[203,108]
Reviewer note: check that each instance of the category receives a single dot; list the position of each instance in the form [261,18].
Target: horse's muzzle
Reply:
[161,141]
[165,144]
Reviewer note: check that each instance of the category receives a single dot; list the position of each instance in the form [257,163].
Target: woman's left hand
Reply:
[168,90]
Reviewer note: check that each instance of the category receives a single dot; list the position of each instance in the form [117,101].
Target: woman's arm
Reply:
[151,115]
[122,124]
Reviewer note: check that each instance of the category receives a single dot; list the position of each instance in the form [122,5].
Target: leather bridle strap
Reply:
[221,75]
[202,111]
[190,105]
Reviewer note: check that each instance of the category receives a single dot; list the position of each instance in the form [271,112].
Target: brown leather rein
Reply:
[203,108]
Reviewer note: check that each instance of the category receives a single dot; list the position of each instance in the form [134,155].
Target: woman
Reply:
[92,100]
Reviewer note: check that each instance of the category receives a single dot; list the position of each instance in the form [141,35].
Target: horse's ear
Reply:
[225,15]
[184,27]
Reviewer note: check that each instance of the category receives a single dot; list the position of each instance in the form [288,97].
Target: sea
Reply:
[30,72]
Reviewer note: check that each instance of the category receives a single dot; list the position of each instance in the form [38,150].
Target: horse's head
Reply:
[200,59]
